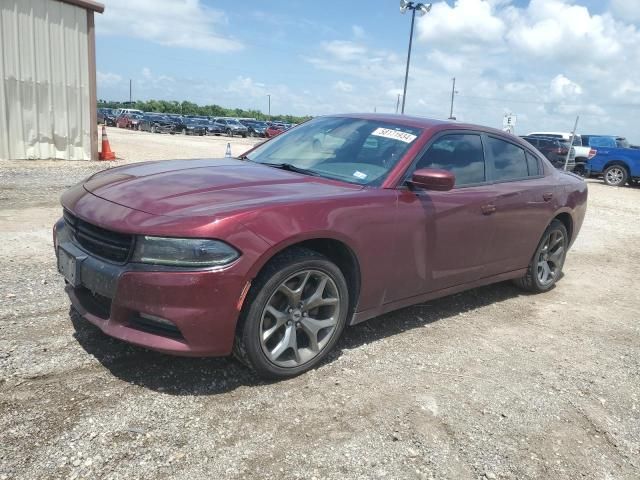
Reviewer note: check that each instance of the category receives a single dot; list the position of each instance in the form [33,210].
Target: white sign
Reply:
[394,134]
[509,120]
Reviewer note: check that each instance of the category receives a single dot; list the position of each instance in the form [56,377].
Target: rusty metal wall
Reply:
[44,81]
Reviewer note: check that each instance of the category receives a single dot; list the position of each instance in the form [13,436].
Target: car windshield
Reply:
[353,150]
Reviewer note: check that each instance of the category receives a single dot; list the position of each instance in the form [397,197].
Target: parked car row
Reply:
[189,125]
[612,157]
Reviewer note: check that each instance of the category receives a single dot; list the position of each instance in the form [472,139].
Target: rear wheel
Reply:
[293,316]
[546,265]
[580,169]
[615,175]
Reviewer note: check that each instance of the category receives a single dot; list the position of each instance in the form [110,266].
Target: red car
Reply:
[129,120]
[272,254]
[274,130]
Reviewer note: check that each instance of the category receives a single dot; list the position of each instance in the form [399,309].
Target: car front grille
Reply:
[98,241]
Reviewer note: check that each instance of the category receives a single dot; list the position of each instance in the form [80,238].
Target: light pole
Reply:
[422,9]
[269,97]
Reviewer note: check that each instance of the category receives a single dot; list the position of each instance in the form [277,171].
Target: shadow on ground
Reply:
[211,376]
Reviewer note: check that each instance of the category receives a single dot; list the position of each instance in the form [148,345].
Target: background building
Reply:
[48,79]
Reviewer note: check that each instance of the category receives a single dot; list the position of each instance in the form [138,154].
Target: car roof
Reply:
[427,123]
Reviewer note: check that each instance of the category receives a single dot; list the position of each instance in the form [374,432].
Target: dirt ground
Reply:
[491,383]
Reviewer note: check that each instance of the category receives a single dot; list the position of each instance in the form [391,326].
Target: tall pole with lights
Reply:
[422,9]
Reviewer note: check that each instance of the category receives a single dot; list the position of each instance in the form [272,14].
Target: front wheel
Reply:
[293,316]
[546,265]
[615,175]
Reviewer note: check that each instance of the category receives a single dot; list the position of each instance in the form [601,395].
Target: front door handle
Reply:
[547,196]
[488,209]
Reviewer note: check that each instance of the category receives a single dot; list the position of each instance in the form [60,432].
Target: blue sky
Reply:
[544,60]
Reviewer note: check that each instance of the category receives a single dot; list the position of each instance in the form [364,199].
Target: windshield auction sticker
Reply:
[394,134]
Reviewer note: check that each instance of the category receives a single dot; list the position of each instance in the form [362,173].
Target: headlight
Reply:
[183,252]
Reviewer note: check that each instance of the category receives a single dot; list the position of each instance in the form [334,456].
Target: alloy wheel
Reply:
[615,175]
[300,318]
[551,258]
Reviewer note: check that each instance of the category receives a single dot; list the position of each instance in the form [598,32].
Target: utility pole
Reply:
[573,135]
[453,94]
[269,97]
[130,97]
[398,103]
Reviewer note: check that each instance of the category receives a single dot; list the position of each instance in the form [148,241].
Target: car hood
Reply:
[208,187]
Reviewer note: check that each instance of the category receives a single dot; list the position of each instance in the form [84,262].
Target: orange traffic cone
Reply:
[106,153]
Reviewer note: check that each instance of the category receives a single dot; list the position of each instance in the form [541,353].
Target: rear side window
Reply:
[461,154]
[509,160]
[533,165]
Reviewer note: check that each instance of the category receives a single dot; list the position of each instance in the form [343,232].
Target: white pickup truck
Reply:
[582,153]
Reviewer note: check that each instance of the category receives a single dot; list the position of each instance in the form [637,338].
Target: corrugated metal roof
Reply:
[86,4]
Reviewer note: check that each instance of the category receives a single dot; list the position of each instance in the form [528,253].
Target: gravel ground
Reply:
[491,383]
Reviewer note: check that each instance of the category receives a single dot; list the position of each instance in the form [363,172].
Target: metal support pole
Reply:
[453,94]
[406,75]
[398,103]
[573,135]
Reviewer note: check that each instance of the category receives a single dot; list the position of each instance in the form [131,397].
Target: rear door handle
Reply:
[488,209]
[547,196]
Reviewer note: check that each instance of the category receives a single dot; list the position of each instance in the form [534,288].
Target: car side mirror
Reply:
[433,179]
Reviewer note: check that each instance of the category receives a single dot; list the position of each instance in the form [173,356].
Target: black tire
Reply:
[247,347]
[531,281]
[580,169]
[615,175]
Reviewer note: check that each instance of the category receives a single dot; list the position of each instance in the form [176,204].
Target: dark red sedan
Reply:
[343,218]
[274,130]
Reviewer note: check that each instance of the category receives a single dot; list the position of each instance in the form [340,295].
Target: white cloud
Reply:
[344,87]
[358,31]
[628,10]
[558,30]
[468,22]
[562,88]
[173,23]
[344,50]
[107,79]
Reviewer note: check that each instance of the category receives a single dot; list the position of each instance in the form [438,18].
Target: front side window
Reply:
[509,161]
[461,154]
[353,150]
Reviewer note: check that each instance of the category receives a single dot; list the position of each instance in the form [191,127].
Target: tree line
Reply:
[190,108]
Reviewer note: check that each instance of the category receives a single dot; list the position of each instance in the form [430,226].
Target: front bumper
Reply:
[119,299]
